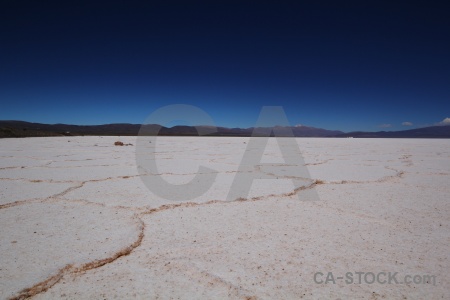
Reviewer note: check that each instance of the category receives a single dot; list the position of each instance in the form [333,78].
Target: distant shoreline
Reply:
[18,129]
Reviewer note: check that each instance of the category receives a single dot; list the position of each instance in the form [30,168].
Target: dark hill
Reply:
[425,132]
[26,129]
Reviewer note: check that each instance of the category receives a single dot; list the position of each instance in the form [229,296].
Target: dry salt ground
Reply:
[78,222]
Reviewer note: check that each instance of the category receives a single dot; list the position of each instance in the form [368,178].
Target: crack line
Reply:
[72,269]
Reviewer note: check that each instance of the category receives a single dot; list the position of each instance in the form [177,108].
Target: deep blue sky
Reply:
[336,66]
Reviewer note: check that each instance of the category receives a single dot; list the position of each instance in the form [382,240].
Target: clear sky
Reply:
[367,65]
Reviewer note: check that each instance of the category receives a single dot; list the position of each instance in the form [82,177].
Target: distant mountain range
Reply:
[442,131]
[27,129]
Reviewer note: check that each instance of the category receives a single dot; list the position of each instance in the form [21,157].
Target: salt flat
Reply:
[78,221]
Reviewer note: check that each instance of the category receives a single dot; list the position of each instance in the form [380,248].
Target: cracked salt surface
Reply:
[21,190]
[40,239]
[77,221]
